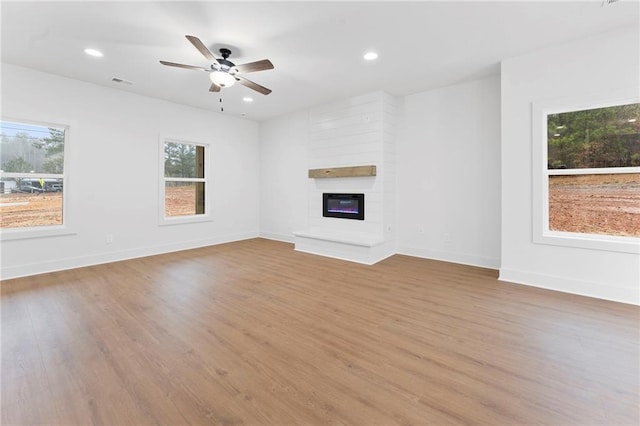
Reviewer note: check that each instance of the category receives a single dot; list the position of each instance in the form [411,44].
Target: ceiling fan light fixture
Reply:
[222,79]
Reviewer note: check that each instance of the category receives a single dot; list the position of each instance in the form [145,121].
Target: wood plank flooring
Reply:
[255,333]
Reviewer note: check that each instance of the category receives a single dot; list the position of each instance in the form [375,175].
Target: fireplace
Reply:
[344,206]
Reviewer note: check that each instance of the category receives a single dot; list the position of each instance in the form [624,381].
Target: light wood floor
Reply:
[255,333]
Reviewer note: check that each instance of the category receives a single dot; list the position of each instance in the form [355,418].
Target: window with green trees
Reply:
[184,179]
[593,171]
[31,175]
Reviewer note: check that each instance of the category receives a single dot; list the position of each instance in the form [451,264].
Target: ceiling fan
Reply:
[223,72]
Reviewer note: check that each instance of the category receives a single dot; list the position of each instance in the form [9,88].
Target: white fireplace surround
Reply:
[352,134]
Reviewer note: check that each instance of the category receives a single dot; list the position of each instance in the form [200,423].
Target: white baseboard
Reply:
[569,285]
[566,285]
[79,262]
[285,238]
[447,256]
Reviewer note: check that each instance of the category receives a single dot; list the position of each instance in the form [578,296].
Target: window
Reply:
[184,186]
[32,176]
[588,175]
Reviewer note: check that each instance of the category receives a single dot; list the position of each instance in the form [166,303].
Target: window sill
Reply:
[181,220]
[590,241]
[30,233]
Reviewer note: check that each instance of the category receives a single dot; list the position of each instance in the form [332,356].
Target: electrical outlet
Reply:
[446,238]
[109,239]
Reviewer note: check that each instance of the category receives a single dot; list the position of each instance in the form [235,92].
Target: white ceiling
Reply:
[316,47]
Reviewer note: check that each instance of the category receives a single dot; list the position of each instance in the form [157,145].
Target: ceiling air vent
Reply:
[121,81]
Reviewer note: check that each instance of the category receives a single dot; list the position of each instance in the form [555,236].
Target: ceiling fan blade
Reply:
[214,88]
[262,65]
[189,67]
[251,85]
[202,48]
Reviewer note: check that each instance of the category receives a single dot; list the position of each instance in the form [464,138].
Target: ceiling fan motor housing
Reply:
[225,65]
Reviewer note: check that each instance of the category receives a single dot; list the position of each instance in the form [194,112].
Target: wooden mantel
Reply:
[336,172]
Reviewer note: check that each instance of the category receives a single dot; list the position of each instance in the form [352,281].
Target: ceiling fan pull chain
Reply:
[221,107]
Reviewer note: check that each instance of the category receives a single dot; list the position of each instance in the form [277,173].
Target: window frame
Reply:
[195,218]
[65,228]
[540,191]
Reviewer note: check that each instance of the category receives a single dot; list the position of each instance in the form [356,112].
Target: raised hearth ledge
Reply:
[354,247]
[353,238]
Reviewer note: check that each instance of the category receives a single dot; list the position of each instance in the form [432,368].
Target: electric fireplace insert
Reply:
[345,206]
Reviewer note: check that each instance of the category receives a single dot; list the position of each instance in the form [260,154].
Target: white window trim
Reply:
[540,181]
[179,220]
[65,229]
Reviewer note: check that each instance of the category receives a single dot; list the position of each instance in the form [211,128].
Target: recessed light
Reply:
[93,52]
[370,56]
[247,99]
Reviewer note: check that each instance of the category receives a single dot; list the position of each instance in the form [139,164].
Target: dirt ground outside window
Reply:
[29,210]
[606,204]
[591,204]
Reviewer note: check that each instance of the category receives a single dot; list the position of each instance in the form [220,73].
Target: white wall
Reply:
[448,184]
[598,65]
[439,157]
[113,174]
[283,176]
